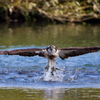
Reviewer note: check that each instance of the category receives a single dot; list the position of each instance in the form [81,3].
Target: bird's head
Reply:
[51,50]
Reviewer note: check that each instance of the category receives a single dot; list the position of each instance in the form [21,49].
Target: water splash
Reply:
[56,76]
[73,76]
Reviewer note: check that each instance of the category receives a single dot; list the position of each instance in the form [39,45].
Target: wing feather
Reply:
[76,51]
[25,52]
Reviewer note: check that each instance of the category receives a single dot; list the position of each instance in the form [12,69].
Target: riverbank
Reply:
[74,11]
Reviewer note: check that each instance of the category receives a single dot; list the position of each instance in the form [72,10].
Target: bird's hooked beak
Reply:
[51,49]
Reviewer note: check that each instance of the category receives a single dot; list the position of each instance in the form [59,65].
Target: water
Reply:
[23,78]
[57,75]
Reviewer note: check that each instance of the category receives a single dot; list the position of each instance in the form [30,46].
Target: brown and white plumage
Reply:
[52,52]
[76,51]
[23,52]
[63,53]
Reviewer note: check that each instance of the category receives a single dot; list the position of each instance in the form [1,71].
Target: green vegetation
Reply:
[50,10]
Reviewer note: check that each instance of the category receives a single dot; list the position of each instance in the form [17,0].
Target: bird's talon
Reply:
[47,67]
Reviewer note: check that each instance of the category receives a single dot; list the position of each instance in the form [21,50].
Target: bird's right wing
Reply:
[25,52]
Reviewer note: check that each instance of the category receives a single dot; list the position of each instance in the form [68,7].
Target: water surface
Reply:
[21,78]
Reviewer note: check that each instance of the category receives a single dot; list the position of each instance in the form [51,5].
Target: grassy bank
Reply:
[50,10]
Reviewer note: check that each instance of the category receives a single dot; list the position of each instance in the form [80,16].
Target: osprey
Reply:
[52,52]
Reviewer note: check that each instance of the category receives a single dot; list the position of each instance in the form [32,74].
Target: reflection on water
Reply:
[58,35]
[55,94]
[80,74]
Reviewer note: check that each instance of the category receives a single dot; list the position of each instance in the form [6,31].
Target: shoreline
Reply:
[50,12]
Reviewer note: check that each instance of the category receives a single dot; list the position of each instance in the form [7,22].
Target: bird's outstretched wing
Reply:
[25,52]
[76,51]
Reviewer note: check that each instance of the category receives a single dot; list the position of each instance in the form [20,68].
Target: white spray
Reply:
[50,75]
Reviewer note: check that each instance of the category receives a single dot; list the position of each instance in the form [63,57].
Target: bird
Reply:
[52,52]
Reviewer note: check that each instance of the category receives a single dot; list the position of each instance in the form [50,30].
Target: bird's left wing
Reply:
[76,51]
[25,52]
